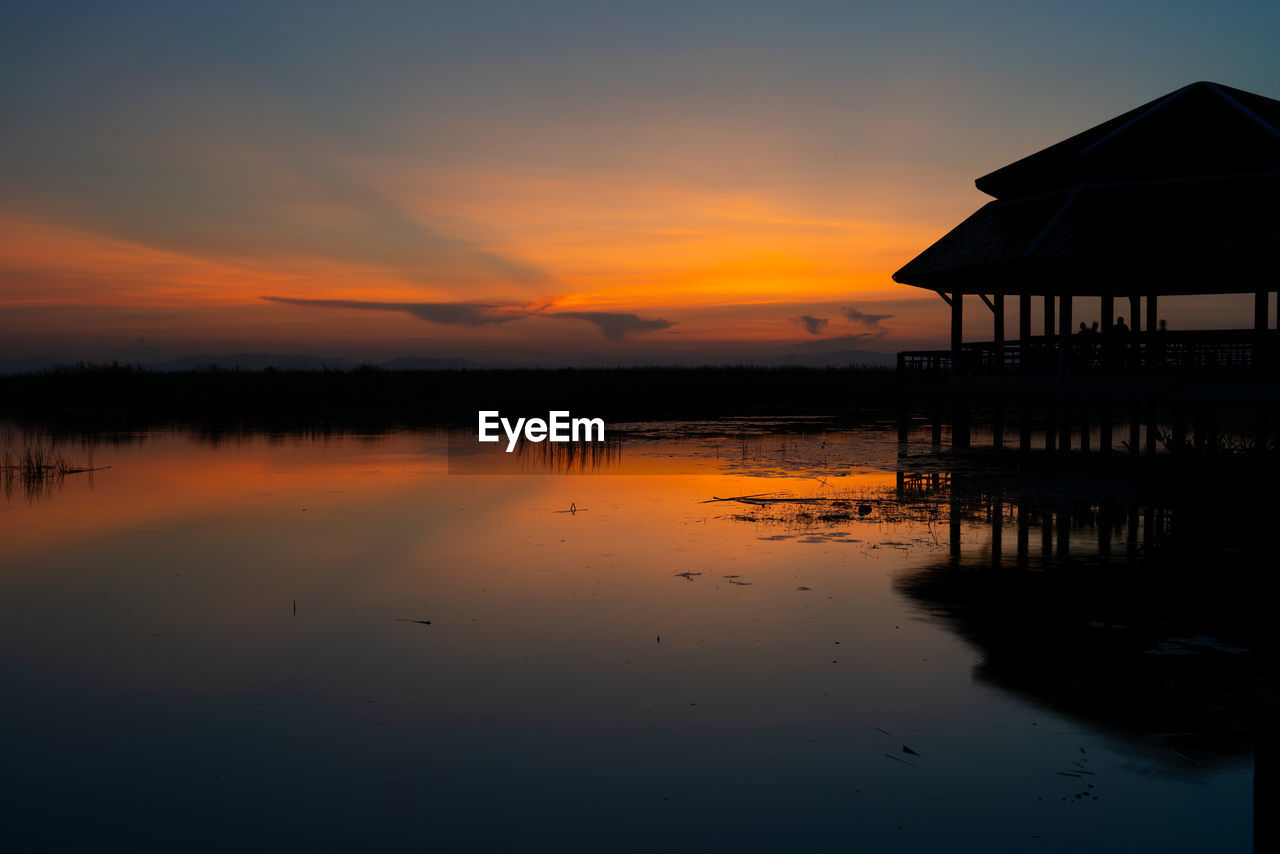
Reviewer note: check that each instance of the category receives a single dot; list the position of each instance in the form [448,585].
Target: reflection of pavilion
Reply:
[1176,197]
[1028,530]
[1069,609]
[1088,643]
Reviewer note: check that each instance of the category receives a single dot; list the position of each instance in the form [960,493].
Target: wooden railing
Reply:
[1216,351]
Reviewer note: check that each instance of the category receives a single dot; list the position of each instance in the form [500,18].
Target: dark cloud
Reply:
[615,324]
[840,342]
[869,321]
[812,325]
[449,313]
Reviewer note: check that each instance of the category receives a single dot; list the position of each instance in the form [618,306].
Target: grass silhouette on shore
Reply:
[117,396]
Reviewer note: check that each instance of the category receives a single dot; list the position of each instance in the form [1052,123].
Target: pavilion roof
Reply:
[1179,195]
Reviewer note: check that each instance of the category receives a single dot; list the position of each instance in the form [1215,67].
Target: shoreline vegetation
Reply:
[125,397]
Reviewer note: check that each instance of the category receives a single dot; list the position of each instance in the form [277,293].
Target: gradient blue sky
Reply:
[533,179]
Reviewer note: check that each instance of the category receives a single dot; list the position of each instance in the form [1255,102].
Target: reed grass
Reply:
[37,467]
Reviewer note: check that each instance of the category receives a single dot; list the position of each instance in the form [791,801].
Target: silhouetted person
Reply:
[1094,328]
[1083,346]
[1157,347]
[1120,332]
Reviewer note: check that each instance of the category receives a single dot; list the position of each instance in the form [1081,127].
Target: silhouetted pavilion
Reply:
[1176,197]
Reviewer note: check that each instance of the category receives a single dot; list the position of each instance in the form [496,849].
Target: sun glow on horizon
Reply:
[660,177]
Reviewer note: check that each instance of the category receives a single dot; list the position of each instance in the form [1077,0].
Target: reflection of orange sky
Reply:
[171,481]
[181,546]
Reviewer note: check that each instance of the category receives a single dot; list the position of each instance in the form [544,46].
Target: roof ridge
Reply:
[1054,220]
[1270,129]
[1138,118]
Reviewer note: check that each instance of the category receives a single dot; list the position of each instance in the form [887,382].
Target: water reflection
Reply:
[762,641]
[1088,613]
[753,447]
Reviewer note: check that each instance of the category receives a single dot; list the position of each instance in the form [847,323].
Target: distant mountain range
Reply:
[262,361]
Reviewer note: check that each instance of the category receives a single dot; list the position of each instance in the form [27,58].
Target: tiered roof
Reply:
[1176,196]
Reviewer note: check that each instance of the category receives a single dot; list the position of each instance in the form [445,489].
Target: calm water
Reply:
[337,644]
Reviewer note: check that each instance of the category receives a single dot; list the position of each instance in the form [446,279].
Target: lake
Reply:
[222,641]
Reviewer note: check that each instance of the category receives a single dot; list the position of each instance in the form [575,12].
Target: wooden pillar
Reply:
[1108,361]
[997,318]
[1261,429]
[1049,323]
[959,402]
[1131,531]
[997,531]
[1260,299]
[1024,331]
[1050,422]
[1064,372]
[1152,320]
[1108,344]
[1024,425]
[953,523]
[1153,427]
[1024,533]
[902,425]
[1105,438]
[902,410]
[960,422]
[1046,536]
[997,401]
[1064,533]
[1135,426]
[1178,437]
[957,330]
[1135,314]
[1064,338]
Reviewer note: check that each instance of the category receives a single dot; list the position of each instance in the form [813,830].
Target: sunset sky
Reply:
[538,180]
